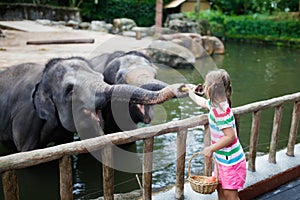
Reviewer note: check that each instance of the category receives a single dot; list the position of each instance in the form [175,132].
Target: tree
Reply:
[158,16]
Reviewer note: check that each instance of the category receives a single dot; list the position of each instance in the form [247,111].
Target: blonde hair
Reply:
[218,86]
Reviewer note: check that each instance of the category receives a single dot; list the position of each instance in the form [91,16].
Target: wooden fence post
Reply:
[10,185]
[207,142]
[66,183]
[108,172]
[254,140]
[275,133]
[294,129]
[180,163]
[237,123]
[147,168]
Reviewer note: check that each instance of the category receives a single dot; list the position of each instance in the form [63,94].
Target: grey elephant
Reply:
[42,104]
[131,68]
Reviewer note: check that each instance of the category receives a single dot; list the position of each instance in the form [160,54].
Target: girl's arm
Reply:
[227,139]
[201,101]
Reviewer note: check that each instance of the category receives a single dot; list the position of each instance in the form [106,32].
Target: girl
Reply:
[225,145]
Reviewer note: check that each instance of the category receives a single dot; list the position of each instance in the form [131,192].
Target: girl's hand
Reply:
[208,151]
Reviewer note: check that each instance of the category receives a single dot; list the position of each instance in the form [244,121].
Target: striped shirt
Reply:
[220,118]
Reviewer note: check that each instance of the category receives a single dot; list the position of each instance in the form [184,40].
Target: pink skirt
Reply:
[232,177]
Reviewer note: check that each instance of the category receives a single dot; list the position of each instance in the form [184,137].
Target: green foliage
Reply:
[230,7]
[238,7]
[290,5]
[248,25]
[141,11]
[281,28]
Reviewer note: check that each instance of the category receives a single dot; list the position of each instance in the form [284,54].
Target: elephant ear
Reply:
[43,104]
[111,71]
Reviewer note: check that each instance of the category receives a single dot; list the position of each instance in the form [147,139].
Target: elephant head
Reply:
[131,68]
[101,61]
[70,93]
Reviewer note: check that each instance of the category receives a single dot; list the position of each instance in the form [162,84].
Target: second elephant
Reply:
[131,68]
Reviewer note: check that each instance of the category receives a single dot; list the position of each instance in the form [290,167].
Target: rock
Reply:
[145,31]
[129,33]
[72,23]
[85,25]
[187,42]
[183,26]
[46,22]
[170,53]
[199,45]
[123,24]
[173,16]
[100,26]
[59,23]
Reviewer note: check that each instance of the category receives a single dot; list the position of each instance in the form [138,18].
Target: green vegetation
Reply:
[280,28]
[141,11]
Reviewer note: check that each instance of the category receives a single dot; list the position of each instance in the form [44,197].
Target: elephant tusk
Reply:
[94,115]
[141,108]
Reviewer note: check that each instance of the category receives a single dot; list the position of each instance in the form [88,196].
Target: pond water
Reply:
[258,73]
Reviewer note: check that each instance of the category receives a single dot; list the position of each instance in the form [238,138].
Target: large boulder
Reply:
[191,41]
[170,54]
[123,24]
[183,26]
[197,50]
[101,26]
[199,45]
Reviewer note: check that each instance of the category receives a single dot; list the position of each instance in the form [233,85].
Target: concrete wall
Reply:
[33,12]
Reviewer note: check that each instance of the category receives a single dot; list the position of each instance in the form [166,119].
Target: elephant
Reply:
[130,68]
[99,62]
[42,104]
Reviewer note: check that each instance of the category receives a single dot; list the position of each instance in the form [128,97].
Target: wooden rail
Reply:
[10,163]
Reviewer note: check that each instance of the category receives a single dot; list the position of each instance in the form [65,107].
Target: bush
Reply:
[143,13]
[247,25]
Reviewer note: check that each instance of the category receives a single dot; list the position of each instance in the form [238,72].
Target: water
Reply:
[258,73]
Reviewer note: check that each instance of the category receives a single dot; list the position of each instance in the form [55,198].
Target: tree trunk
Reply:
[158,17]
[198,8]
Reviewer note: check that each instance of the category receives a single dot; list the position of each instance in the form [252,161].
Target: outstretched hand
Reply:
[187,87]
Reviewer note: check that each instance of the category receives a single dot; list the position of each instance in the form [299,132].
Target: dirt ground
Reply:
[14,50]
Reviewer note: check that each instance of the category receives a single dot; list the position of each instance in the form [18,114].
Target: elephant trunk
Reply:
[133,94]
[153,85]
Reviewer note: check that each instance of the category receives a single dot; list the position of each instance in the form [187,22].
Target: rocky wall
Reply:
[33,12]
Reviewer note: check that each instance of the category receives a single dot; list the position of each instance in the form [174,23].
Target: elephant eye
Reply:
[69,89]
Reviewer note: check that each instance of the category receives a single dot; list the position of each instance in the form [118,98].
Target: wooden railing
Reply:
[10,163]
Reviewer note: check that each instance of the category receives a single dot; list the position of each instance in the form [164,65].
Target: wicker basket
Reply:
[198,183]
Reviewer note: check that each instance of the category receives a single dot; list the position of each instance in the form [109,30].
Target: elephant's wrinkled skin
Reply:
[132,68]
[40,104]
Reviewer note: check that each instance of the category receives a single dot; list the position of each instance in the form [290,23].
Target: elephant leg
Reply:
[26,138]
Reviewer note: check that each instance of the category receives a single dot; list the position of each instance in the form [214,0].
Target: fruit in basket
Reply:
[211,179]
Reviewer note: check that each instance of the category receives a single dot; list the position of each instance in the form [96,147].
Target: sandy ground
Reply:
[14,50]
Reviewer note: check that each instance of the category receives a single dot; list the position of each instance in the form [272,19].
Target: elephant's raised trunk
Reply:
[138,95]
